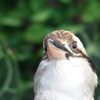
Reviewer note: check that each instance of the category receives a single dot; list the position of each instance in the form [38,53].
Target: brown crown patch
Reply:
[59,35]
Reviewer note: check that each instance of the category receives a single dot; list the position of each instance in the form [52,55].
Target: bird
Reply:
[65,71]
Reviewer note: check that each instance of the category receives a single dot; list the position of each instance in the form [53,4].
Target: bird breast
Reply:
[71,79]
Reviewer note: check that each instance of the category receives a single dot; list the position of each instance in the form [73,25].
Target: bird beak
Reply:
[56,50]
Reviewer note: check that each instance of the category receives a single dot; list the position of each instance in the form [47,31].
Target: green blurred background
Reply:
[24,24]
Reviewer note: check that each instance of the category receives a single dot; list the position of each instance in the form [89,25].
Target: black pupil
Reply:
[74,46]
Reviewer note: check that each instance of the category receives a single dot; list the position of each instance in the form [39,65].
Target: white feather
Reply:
[70,79]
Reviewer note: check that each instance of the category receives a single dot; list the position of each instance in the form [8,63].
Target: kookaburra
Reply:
[65,72]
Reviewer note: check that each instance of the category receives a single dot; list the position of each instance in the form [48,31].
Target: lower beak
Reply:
[55,53]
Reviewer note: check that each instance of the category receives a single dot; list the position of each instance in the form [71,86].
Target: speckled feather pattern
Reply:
[59,35]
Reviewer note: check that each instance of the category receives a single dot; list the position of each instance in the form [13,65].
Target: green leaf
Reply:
[42,15]
[22,57]
[10,21]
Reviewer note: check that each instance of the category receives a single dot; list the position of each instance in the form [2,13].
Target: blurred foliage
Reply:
[24,24]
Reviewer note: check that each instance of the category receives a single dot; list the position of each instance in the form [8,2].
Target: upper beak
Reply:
[56,50]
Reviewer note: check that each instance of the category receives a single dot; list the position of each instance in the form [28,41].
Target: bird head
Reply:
[62,44]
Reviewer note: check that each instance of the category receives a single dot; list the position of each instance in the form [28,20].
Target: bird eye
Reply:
[74,46]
